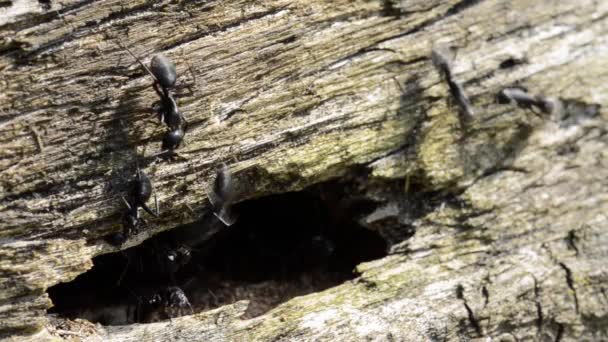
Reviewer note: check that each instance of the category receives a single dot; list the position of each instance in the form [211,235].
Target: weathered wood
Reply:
[294,93]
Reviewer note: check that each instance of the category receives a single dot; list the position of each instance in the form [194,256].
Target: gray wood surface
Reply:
[292,93]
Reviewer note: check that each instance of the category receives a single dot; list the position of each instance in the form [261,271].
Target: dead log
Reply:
[494,224]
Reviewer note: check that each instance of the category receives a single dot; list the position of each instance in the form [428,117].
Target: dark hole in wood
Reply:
[282,246]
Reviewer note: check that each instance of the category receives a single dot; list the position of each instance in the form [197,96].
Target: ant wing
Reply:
[227,216]
[213,198]
[442,57]
[223,186]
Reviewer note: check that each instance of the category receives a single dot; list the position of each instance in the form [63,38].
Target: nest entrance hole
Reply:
[282,246]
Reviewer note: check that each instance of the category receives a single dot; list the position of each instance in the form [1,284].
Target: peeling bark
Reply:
[509,207]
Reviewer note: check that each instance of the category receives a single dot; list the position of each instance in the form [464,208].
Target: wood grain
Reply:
[290,94]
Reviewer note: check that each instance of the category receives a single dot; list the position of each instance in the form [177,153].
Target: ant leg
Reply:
[158,108]
[399,85]
[191,310]
[124,270]
[144,221]
[193,78]
[535,111]
[216,300]
[148,210]
[161,94]
[156,203]
[127,203]
[172,154]
[179,155]
[189,208]
[212,198]
[182,118]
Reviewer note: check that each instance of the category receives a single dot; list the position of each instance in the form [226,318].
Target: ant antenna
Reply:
[191,73]
[124,270]
[399,85]
[439,58]
[119,42]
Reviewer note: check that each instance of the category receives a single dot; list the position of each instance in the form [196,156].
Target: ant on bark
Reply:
[140,191]
[222,195]
[139,194]
[167,303]
[440,62]
[523,99]
[164,73]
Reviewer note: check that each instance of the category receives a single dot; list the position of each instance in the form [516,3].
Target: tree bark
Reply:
[512,242]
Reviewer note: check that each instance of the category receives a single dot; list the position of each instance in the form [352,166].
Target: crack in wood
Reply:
[539,309]
[470,314]
[570,283]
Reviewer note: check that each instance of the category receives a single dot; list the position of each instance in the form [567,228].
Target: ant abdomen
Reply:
[142,188]
[173,139]
[164,71]
[222,195]
[223,187]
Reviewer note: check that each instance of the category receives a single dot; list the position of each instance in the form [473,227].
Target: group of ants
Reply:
[172,301]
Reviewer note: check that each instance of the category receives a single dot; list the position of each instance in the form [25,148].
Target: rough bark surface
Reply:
[292,93]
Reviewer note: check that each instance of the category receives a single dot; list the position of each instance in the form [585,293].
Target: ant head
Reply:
[155,300]
[172,256]
[178,253]
[173,139]
[179,256]
[223,186]
[164,70]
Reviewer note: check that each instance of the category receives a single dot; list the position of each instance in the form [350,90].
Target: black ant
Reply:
[165,304]
[440,62]
[179,256]
[140,192]
[171,260]
[523,99]
[222,195]
[164,73]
